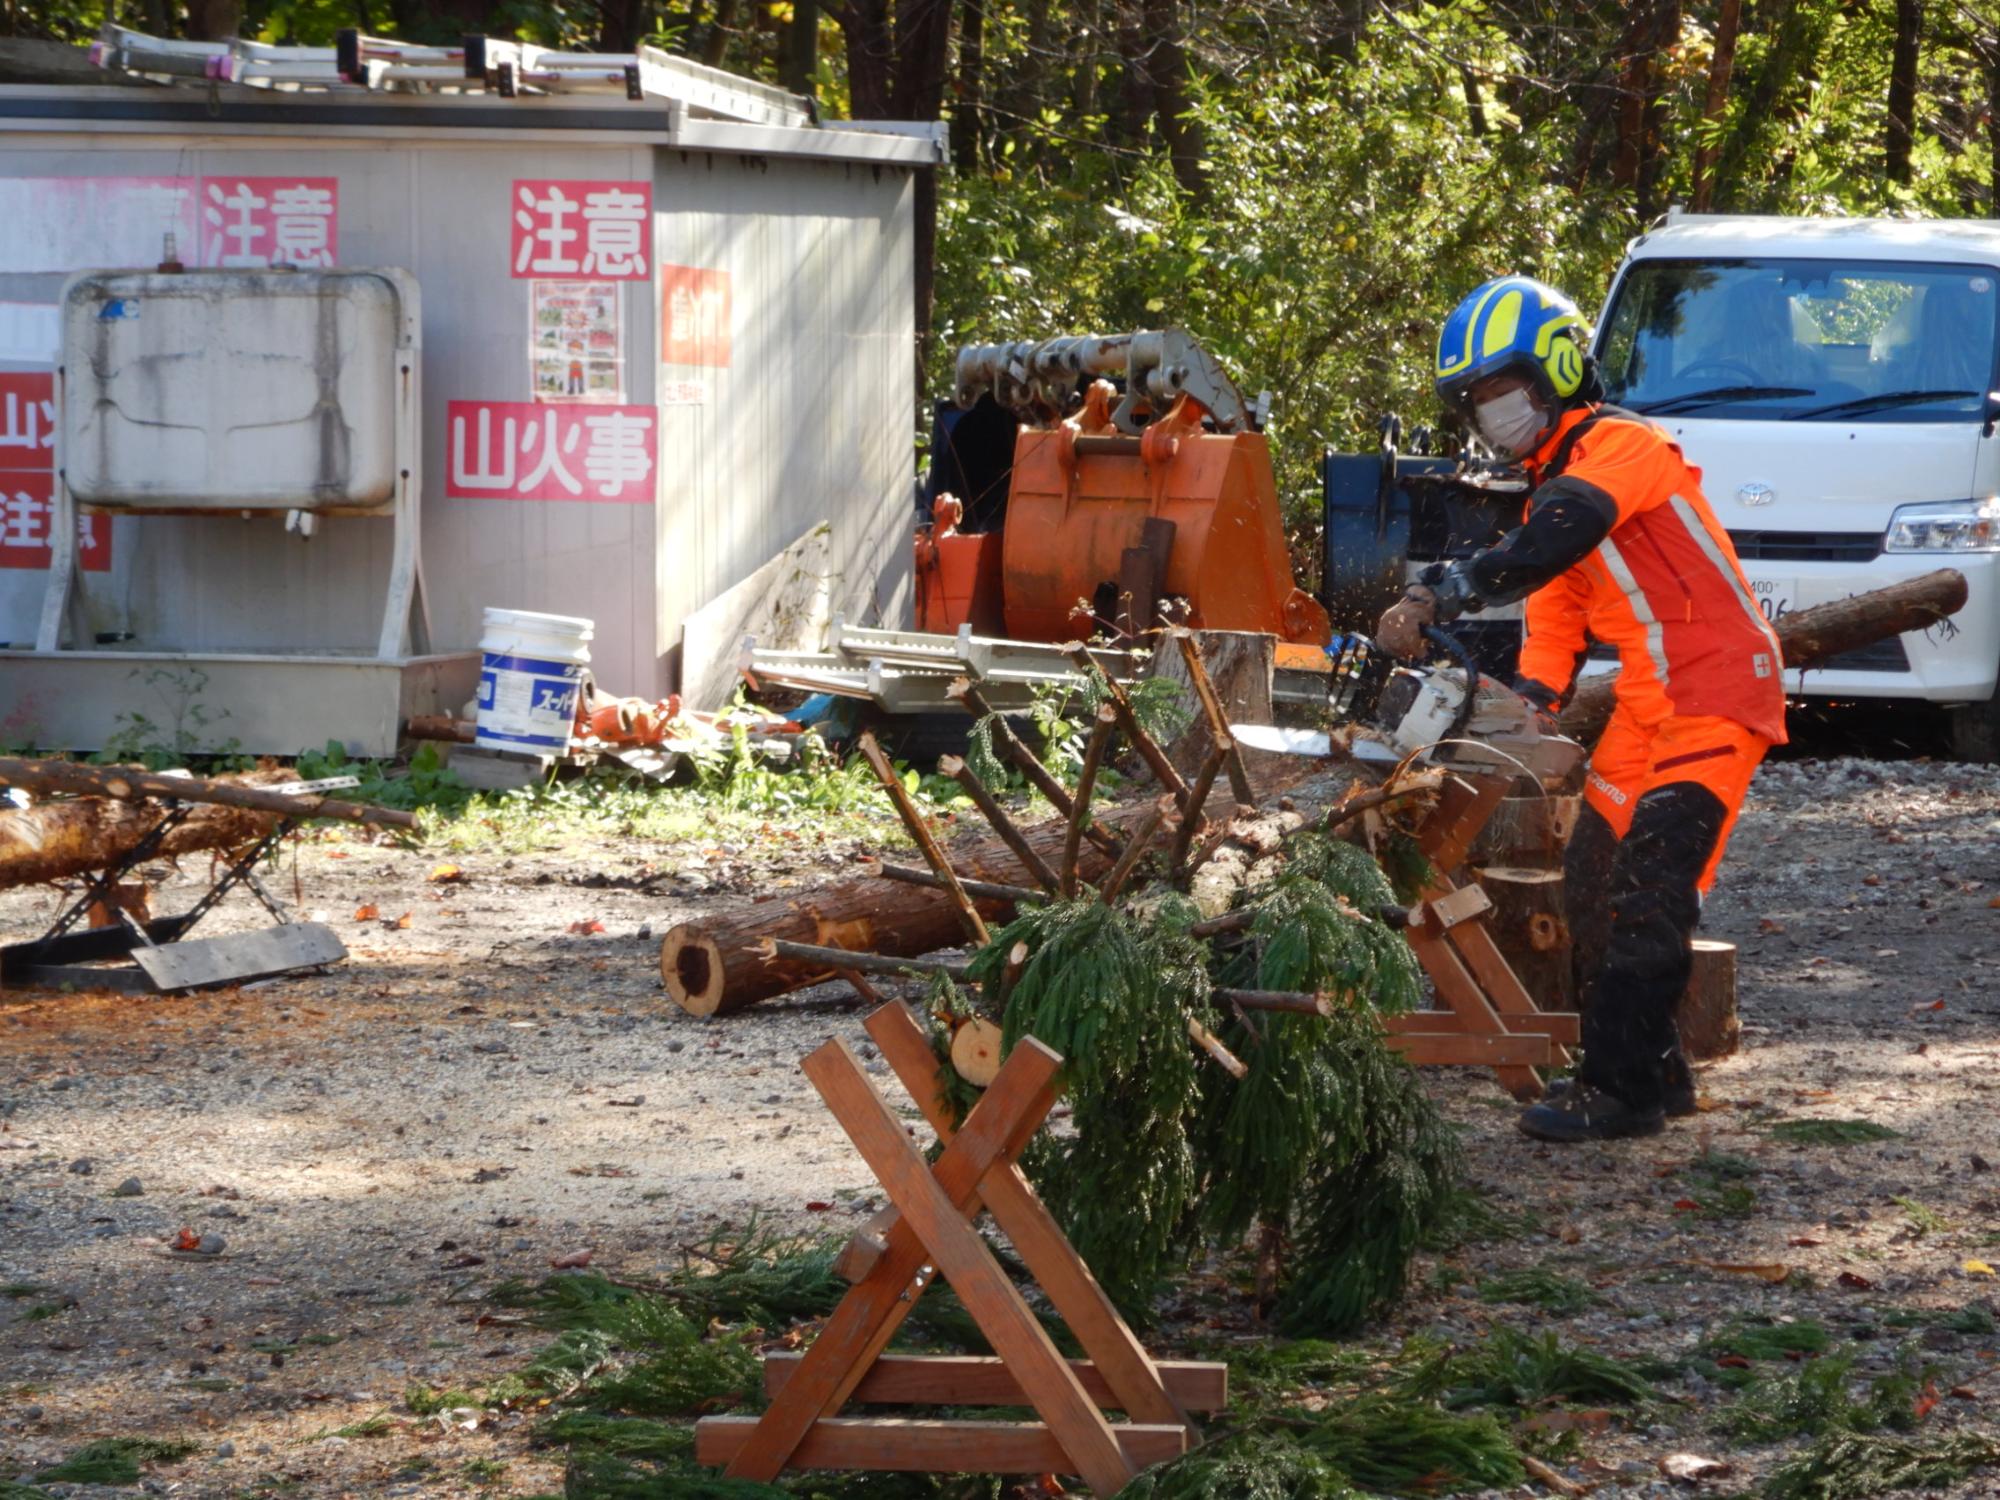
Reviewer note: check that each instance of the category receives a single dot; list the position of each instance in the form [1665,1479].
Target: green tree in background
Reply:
[1307,185]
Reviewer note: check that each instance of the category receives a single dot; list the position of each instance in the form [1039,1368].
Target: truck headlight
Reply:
[1946,526]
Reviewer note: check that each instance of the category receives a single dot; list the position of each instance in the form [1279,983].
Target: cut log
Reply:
[69,778]
[711,965]
[1706,1016]
[61,840]
[1810,636]
[1531,929]
[1239,668]
[1528,833]
[975,1051]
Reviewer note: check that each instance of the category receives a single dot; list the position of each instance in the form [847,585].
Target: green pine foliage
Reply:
[1849,1466]
[1511,1368]
[1114,997]
[113,1461]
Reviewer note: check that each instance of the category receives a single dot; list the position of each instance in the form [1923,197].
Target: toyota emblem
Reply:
[1756,494]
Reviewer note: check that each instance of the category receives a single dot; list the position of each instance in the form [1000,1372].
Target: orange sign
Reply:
[694,316]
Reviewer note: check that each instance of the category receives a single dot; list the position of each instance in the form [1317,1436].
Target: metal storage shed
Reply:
[732,368]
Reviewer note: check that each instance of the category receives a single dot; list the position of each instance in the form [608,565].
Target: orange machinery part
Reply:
[1081,494]
[958,577]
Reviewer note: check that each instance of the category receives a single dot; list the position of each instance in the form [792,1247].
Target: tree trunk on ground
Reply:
[61,840]
[1706,1016]
[1529,832]
[1903,60]
[712,965]
[1530,926]
[1810,636]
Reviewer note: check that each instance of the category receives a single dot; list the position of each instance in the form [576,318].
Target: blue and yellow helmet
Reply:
[1513,323]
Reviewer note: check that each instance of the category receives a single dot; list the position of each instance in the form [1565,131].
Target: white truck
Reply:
[1837,381]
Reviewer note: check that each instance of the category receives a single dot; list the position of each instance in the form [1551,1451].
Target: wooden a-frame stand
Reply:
[1489,1019]
[931,1232]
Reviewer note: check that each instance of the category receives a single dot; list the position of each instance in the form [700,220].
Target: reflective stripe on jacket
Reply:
[1663,587]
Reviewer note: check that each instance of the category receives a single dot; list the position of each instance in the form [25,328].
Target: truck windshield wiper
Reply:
[1718,395]
[1881,401]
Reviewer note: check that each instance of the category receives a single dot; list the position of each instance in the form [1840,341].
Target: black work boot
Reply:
[1583,1112]
[1679,1099]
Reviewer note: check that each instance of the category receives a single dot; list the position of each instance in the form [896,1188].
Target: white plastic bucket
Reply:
[529,677]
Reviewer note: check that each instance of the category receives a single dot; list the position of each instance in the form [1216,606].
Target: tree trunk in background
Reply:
[621,24]
[1992,50]
[1721,65]
[802,47]
[214,20]
[1475,103]
[1635,83]
[1664,37]
[965,120]
[716,42]
[1903,90]
[1167,66]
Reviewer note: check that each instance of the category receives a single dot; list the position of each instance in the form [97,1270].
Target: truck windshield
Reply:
[1811,340]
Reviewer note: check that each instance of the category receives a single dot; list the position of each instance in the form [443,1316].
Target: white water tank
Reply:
[234,389]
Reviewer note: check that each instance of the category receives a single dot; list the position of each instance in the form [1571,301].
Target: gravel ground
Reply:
[482,1089]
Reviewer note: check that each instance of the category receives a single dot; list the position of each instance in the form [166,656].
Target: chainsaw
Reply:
[1442,712]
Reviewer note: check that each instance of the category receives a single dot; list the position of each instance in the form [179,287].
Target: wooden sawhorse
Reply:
[932,1232]
[1488,1019]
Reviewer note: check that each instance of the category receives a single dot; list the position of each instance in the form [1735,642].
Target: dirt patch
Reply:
[499,1083]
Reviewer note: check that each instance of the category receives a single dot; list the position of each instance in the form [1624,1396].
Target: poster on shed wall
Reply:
[694,316]
[575,341]
[27,479]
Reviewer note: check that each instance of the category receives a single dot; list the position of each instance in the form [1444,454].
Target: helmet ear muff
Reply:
[1566,366]
[1592,389]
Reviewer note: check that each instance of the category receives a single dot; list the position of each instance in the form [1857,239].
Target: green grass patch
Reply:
[1972,1319]
[1769,1341]
[1922,1218]
[1535,1286]
[1719,1183]
[44,1310]
[1849,1466]
[1381,1445]
[114,1461]
[1831,1132]
[19,1291]
[425,1401]
[1515,1369]
[1825,1395]
[367,1427]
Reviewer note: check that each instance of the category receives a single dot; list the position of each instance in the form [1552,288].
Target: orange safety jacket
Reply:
[1663,587]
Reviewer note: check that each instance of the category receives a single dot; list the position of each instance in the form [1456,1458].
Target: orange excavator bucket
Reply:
[1118,511]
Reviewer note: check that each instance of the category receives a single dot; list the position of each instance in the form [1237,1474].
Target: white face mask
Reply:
[1510,423]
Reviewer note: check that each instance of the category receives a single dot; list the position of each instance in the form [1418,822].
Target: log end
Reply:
[975,1052]
[691,967]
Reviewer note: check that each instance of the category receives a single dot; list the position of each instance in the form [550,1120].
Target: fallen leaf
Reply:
[1692,1468]
[1977,1268]
[1963,1393]
[336,854]
[818,1206]
[401,922]
[441,874]
[588,928]
[1770,1271]
[1765,924]
[1994,904]
[1934,1005]
[1685,1205]
[1733,1361]
[1926,1401]
[1871,879]
[1804,1241]
[367,913]
[1858,1282]
[187,1239]
[576,1260]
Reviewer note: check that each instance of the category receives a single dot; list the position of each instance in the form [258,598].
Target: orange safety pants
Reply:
[1631,760]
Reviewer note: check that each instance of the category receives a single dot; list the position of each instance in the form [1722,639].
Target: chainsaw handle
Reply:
[1459,652]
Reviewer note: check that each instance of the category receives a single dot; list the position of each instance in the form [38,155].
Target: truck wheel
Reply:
[1975,731]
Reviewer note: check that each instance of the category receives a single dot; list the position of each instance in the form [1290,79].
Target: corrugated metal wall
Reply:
[809,421]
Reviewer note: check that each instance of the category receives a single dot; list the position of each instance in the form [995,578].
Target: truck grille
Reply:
[1807,546]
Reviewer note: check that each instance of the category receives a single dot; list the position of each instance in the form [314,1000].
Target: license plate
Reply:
[1774,597]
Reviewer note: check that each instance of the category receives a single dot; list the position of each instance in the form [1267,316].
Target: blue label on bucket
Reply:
[526,702]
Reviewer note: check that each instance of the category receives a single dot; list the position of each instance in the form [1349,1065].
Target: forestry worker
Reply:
[1618,546]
